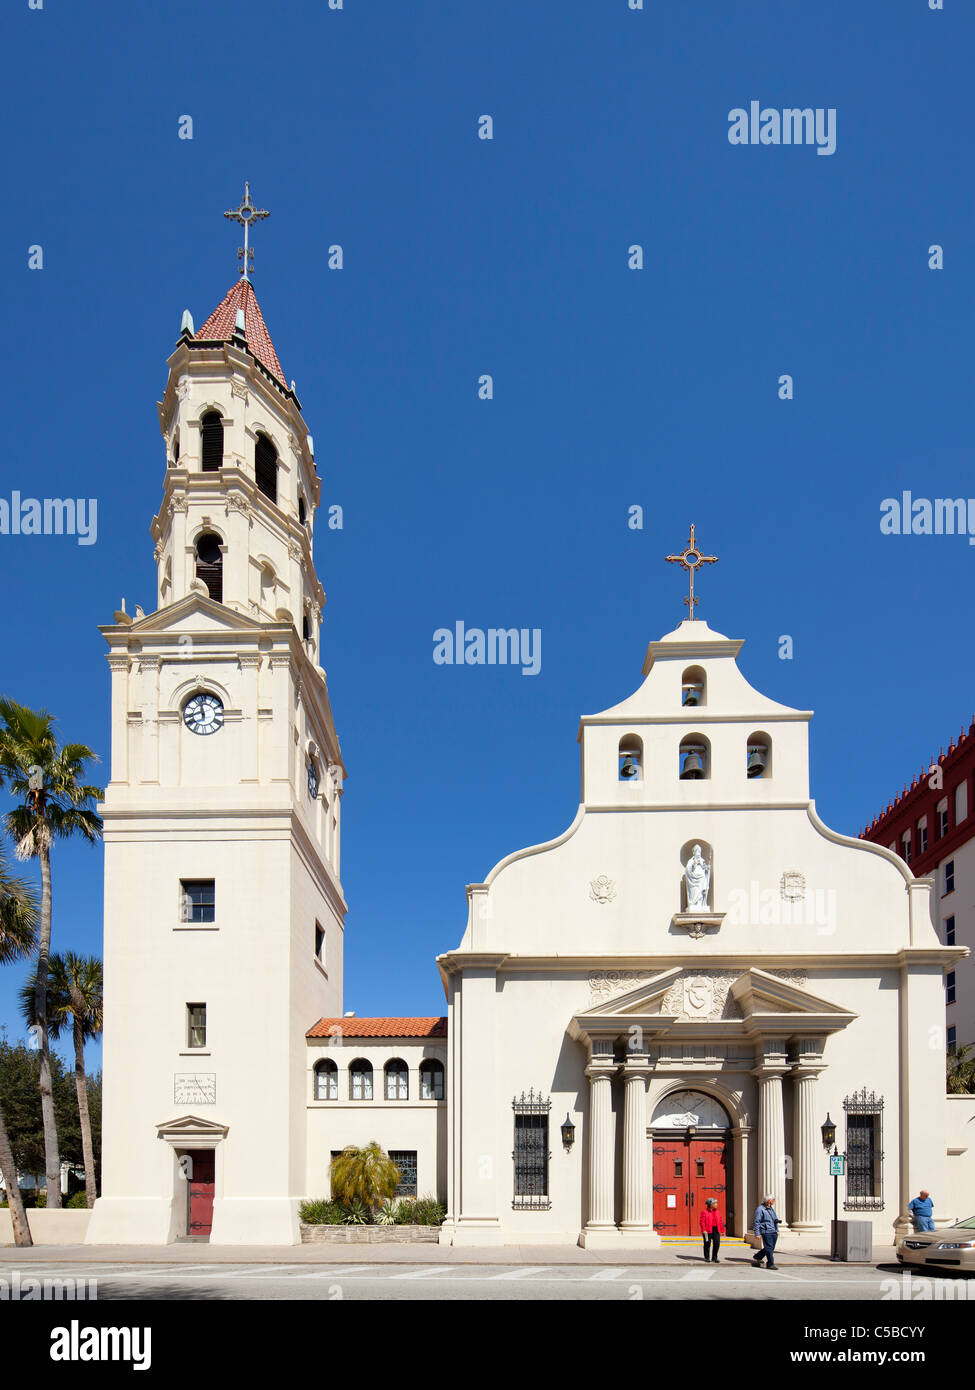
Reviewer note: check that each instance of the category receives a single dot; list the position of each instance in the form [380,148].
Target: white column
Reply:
[809,1161]
[636,1166]
[771,1129]
[601,1226]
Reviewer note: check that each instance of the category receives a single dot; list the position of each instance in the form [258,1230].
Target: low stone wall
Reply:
[368,1235]
[65,1227]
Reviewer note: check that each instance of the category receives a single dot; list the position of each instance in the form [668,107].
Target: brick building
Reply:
[931,825]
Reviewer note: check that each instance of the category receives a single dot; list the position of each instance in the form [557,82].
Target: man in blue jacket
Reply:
[766,1227]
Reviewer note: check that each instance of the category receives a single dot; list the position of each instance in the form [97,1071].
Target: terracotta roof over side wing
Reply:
[379,1028]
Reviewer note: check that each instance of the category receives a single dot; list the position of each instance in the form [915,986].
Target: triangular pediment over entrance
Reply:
[186,1128]
[749,1003]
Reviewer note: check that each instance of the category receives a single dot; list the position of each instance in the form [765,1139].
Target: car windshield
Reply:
[967,1225]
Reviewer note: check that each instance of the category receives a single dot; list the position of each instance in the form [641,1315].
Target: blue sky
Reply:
[613,387]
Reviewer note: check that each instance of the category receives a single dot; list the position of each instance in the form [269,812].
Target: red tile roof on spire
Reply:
[379,1028]
[219,327]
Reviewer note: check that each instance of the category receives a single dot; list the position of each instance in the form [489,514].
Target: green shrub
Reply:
[78,1201]
[367,1176]
[321,1211]
[406,1211]
[429,1212]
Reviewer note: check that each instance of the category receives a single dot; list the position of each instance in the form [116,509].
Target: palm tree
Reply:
[960,1071]
[74,990]
[18,937]
[365,1175]
[56,804]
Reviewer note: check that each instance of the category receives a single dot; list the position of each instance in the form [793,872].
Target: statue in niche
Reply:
[697,879]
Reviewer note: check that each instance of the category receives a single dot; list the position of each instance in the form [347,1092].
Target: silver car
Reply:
[952,1245]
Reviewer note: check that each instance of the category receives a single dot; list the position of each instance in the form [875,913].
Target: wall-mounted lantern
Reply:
[568,1132]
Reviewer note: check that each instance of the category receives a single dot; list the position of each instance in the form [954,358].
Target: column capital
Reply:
[806,1071]
[635,1064]
[769,1071]
[601,1066]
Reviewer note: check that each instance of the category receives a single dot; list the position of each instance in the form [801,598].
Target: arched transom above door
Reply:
[682,1108]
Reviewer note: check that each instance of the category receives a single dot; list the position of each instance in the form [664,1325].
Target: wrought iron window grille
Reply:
[531,1153]
[864,1151]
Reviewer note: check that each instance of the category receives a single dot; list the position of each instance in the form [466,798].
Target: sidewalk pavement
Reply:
[199,1253]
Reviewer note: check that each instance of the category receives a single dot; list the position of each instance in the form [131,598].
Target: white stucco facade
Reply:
[812,985]
[694,1045]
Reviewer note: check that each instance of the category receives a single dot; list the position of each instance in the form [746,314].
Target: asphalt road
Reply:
[367,1280]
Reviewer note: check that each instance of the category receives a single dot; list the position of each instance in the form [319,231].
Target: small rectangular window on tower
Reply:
[950,876]
[950,987]
[319,943]
[196,1025]
[949,931]
[197,900]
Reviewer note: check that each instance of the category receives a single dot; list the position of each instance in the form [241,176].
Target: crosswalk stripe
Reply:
[423,1273]
[608,1274]
[522,1273]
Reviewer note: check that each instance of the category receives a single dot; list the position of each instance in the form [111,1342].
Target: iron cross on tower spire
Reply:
[245,215]
[689,560]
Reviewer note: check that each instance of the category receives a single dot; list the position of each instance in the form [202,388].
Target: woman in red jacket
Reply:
[712,1229]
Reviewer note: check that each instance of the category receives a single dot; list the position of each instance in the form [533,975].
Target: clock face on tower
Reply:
[203,714]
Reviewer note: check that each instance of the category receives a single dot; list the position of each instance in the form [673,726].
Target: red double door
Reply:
[686,1172]
[199,1181]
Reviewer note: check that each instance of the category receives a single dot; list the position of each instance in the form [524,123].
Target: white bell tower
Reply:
[224,911]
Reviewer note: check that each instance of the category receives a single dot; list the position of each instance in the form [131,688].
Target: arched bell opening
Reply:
[209,564]
[758,756]
[694,758]
[630,758]
[693,687]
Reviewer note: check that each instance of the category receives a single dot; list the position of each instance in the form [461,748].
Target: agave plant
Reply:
[357,1213]
[386,1215]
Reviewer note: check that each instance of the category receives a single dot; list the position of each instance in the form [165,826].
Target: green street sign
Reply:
[837,1165]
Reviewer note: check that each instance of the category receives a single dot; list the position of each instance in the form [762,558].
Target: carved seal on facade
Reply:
[602,889]
[237,502]
[179,504]
[294,550]
[792,886]
[237,388]
[702,994]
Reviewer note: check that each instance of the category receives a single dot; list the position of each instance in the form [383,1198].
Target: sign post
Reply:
[837,1170]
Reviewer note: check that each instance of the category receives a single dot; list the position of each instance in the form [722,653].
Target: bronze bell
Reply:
[629,768]
[756,763]
[693,767]
[691,696]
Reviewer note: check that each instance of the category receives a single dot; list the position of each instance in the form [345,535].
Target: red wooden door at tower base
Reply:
[200,1182]
[685,1173]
